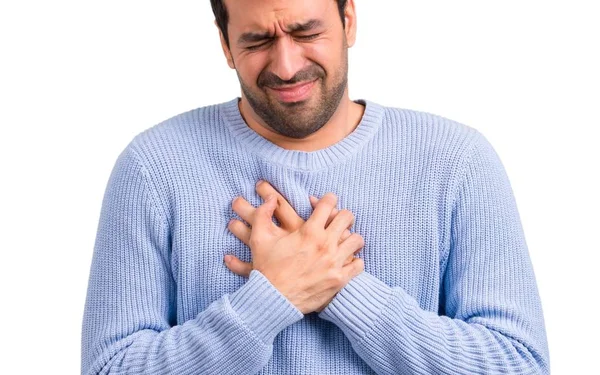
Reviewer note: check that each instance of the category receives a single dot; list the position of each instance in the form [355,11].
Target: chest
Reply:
[402,246]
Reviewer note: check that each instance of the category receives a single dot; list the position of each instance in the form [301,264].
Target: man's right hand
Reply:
[307,265]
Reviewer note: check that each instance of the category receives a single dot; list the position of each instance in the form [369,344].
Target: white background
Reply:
[79,79]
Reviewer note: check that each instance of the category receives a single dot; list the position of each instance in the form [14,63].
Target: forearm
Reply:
[234,335]
[129,324]
[394,335]
[492,318]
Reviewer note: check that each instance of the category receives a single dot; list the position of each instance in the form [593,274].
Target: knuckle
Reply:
[305,229]
[360,241]
[326,265]
[330,261]
[312,233]
[359,266]
[255,241]
[261,211]
[336,278]
[347,215]
[357,240]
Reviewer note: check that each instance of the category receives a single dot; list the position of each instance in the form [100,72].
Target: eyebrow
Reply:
[251,37]
[309,25]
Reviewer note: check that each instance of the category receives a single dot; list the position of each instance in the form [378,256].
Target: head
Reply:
[291,58]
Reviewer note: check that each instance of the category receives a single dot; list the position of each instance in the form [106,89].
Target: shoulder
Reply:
[431,135]
[431,144]
[177,129]
[198,129]
[428,127]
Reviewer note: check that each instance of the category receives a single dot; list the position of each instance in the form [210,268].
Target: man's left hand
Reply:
[285,214]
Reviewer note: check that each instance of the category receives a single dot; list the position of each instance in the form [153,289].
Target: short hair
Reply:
[222,17]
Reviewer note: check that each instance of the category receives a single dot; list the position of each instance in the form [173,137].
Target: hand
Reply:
[285,214]
[308,265]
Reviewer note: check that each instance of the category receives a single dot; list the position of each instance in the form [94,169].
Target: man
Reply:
[295,231]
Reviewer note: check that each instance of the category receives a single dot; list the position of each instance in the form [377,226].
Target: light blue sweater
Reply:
[448,286]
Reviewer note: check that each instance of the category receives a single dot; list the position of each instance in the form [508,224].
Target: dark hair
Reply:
[220,12]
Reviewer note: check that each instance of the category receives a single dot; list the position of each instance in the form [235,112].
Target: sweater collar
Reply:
[302,160]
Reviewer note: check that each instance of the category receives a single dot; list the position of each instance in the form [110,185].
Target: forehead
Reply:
[268,15]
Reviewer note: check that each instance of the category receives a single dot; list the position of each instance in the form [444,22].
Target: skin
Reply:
[308,262]
[282,56]
[291,59]
[285,214]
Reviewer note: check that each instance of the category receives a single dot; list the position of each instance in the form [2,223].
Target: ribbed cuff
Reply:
[264,310]
[357,307]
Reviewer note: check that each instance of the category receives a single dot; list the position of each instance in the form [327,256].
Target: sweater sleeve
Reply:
[129,323]
[493,320]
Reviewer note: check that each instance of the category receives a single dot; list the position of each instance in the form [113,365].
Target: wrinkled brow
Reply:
[254,37]
[298,27]
[295,27]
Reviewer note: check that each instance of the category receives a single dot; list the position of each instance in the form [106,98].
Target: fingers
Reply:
[341,222]
[313,203]
[353,269]
[348,260]
[244,209]
[237,266]
[345,236]
[285,214]
[323,210]
[263,216]
[350,247]
[240,230]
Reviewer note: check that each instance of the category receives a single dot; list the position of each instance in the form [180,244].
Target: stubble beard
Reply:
[298,119]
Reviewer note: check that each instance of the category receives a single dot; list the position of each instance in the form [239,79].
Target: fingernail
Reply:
[259,182]
[228,258]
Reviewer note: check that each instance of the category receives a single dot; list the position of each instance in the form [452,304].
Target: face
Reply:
[291,60]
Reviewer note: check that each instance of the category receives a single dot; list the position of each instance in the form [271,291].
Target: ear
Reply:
[350,19]
[226,50]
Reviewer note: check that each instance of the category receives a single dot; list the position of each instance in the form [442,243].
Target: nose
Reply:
[287,58]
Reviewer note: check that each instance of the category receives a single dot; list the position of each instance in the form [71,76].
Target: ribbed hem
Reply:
[357,307]
[264,310]
[302,160]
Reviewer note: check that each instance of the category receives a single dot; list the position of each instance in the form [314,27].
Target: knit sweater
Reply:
[448,286]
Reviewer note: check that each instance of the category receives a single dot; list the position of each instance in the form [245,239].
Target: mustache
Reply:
[270,79]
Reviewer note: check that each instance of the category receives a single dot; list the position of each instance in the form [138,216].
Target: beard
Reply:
[303,118]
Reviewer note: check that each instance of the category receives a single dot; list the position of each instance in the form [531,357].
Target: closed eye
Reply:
[257,46]
[307,37]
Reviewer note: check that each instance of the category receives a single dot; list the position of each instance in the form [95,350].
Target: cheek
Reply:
[323,54]
[249,66]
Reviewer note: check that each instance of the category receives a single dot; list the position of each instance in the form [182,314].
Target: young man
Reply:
[424,268]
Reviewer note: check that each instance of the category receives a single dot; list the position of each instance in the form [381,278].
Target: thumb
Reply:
[237,266]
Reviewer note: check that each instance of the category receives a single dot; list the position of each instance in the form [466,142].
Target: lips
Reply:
[293,93]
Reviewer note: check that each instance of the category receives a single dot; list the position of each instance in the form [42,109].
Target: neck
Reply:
[343,122]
